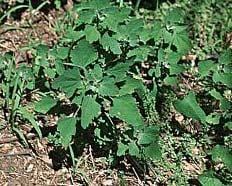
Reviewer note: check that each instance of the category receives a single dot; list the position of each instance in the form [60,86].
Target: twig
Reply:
[137,176]
[15,138]
[91,155]
[71,177]
[16,154]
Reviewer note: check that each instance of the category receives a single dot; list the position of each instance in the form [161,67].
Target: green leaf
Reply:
[134,149]
[190,108]
[119,71]
[226,57]
[45,104]
[149,135]
[89,110]
[176,69]
[216,94]
[224,78]
[213,118]
[224,103]
[122,148]
[157,31]
[134,27]
[125,108]
[175,16]
[145,35]
[229,125]
[96,4]
[207,179]
[96,74]
[84,54]
[141,53]
[86,16]
[72,35]
[91,33]
[68,82]
[206,66]
[114,16]
[62,52]
[170,80]
[173,58]
[153,151]
[42,50]
[108,88]
[130,86]
[30,117]
[67,128]
[59,67]
[220,153]
[50,72]
[109,43]
[182,42]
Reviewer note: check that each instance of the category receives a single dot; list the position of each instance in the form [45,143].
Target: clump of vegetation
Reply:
[132,85]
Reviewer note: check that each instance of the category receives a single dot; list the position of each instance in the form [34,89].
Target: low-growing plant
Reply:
[98,67]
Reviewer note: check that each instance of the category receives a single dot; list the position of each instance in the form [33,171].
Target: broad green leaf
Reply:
[161,55]
[153,151]
[62,52]
[119,71]
[207,179]
[167,36]
[84,54]
[68,82]
[89,110]
[213,118]
[122,148]
[216,94]
[149,135]
[134,149]
[86,16]
[109,43]
[220,153]
[175,16]
[96,4]
[206,66]
[72,35]
[125,108]
[130,86]
[226,57]
[173,58]
[141,53]
[108,88]
[95,74]
[91,33]
[176,69]
[224,78]
[114,16]
[190,108]
[134,27]
[30,117]
[224,103]
[145,35]
[67,128]
[229,125]
[157,31]
[42,50]
[171,81]
[50,72]
[45,104]
[59,67]
[182,42]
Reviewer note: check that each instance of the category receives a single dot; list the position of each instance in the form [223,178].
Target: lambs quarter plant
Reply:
[97,66]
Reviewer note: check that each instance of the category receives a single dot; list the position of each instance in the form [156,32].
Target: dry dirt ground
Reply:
[36,165]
